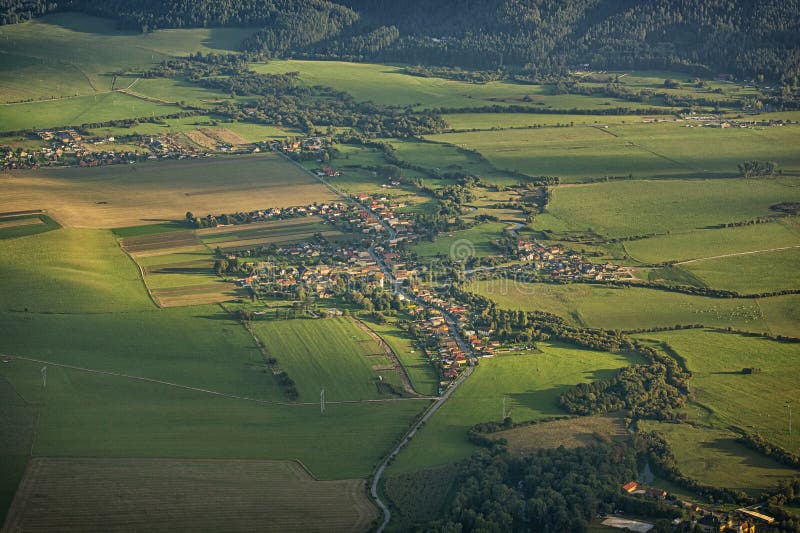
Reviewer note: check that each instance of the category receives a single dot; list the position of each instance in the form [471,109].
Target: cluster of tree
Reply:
[545,37]
[756,169]
[761,445]
[373,299]
[456,73]
[788,492]
[790,208]
[550,490]
[659,454]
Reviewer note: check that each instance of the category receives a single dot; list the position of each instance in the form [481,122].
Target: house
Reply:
[630,487]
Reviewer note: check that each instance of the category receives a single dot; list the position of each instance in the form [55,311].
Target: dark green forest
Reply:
[743,38]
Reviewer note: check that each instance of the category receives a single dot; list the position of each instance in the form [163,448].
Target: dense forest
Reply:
[539,37]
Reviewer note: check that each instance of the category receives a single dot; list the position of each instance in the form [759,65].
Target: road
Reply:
[387,514]
[465,347]
[737,254]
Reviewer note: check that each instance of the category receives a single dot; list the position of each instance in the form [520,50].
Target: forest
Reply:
[757,40]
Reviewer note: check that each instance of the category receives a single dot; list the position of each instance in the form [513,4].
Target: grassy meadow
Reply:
[420,372]
[529,382]
[624,308]
[751,273]
[475,241]
[641,207]
[753,403]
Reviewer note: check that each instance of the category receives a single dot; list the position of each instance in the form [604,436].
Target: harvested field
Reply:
[201,139]
[198,294]
[150,193]
[184,495]
[20,222]
[225,135]
[570,433]
[160,242]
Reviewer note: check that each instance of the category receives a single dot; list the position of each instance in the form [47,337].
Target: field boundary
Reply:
[141,275]
[389,351]
[737,254]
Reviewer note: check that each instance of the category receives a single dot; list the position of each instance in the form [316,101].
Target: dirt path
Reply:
[396,365]
[202,390]
[738,253]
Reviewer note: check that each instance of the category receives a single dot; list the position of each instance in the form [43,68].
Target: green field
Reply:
[713,457]
[420,371]
[25,225]
[69,271]
[782,314]
[711,243]
[475,241]
[753,273]
[69,54]
[640,207]
[332,354]
[753,403]
[530,383]
[664,150]
[488,121]
[624,308]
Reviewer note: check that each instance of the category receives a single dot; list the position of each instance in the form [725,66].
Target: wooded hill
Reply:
[739,37]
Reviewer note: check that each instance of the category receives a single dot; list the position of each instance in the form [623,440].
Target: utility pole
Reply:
[44,377]
[322,402]
[789,407]
[504,408]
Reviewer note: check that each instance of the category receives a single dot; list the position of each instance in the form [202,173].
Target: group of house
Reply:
[387,212]
[65,148]
[563,264]
[707,520]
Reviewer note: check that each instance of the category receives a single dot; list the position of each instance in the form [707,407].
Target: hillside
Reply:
[538,37]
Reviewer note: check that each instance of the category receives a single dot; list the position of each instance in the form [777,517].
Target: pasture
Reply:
[697,244]
[751,273]
[475,241]
[420,371]
[641,207]
[387,84]
[501,121]
[332,354]
[129,195]
[570,433]
[662,150]
[755,402]
[133,494]
[68,54]
[530,383]
[782,314]
[608,307]
[714,457]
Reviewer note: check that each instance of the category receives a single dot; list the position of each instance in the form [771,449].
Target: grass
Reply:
[387,84]
[570,433]
[89,415]
[131,195]
[68,54]
[713,242]
[782,314]
[530,383]
[420,371]
[24,225]
[488,121]
[332,354]
[714,457]
[475,241]
[753,403]
[69,271]
[624,308]
[639,207]
[150,229]
[73,494]
[753,273]
[79,110]
[663,150]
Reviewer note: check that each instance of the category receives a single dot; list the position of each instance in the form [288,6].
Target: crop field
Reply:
[663,150]
[134,494]
[713,242]
[129,195]
[263,233]
[76,271]
[570,433]
[331,354]
[641,207]
[624,308]
[714,457]
[755,402]
[69,54]
[475,241]
[530,383]
[420,371]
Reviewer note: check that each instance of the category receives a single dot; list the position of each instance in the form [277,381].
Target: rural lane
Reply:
[387,514]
